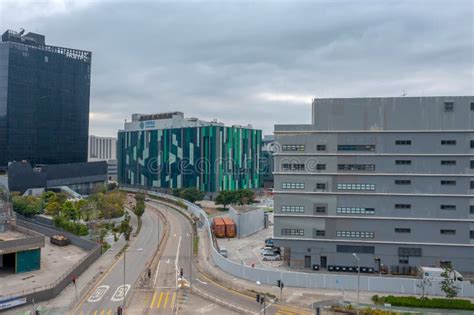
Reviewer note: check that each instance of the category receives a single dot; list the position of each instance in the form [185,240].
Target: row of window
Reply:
[292,208]
[355,210]
[360,210]
[355,186]
[293,147]
[356,167]
[360,234]
[355,234]
[292,185]
[292,232]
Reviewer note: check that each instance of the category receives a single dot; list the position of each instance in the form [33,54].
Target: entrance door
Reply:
[307,261]
[324,261]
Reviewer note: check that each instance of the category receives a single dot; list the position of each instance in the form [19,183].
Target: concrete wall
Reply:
[247,222]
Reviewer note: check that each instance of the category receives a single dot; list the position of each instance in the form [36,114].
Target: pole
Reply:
[123,288]
[191,238]
[358,284]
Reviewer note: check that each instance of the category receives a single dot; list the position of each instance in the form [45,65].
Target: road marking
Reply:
[202,282]
[98,294]
[109,312]
[153,300]
[176,260]
[159,300]
[174,235]
[102,312]
[156,273]
[95,313]
[168,261]
[120,293]
[172,300]
[166,299]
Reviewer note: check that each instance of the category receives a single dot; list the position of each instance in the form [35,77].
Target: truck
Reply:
[434,273]
[218,227]
[229,227]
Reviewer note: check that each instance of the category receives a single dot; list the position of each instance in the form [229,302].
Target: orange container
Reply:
[229,227]
[219,227]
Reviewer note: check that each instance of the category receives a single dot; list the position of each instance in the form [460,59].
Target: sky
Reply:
[254,62]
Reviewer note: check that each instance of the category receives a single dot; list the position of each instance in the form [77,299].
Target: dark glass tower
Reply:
[44,101]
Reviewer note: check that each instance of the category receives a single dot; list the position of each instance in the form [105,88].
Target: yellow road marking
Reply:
[109,312]
[153,300]
[159,300]
[172,299]
[95,313]
[102,312]
[166,299]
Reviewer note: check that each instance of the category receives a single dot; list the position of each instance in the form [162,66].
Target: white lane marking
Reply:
[98,294]
[174,235]
[187,234]
[206,309]
[156,274]
[120,293]
[202,282]
[176,261]
[168,261]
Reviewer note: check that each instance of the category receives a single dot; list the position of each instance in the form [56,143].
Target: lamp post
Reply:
[124,268]
[357,259]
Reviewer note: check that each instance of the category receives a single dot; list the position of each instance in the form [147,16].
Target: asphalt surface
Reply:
[109,293]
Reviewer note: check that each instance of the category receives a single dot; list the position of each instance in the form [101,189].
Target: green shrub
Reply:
[412,301]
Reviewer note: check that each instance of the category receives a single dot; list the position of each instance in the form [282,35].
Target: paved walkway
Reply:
[71,294]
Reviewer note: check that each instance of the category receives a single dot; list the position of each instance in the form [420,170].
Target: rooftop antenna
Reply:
[22,31]
[404,93]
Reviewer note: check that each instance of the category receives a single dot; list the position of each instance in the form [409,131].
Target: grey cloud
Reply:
[216,59]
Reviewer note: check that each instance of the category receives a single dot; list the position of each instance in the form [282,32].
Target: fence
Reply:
[380,284]
[51,290]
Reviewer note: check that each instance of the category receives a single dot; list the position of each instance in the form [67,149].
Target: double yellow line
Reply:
[166,296]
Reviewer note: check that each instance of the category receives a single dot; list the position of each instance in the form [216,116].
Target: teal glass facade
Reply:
[210,158]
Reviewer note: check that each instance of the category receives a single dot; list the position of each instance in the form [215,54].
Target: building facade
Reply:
[390,179]
[169,151]
[44,101]
[104,149]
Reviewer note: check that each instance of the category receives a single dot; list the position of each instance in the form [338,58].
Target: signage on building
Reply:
[148,124]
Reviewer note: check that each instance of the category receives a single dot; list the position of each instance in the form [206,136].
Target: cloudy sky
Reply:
[255,62]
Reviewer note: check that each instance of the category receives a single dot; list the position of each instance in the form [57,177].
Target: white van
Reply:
[432,273]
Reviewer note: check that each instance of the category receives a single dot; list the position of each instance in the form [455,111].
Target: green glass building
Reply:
[168,151]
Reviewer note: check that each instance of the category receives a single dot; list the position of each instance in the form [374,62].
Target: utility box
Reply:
[218,227]
[229,227]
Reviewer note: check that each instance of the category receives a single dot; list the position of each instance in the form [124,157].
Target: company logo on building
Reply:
[142,125]
[147,124]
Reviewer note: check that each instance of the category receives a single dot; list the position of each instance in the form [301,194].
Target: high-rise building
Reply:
[169,151]
[390,179]
[104,149]
[44,101]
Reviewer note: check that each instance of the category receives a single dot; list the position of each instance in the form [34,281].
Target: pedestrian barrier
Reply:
[382,284]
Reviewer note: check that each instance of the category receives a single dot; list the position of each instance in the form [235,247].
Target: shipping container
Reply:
[218,226]
[229,227]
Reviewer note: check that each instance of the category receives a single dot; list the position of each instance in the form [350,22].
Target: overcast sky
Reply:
[255,62]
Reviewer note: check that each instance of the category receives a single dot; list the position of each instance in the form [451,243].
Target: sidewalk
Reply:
[64,302]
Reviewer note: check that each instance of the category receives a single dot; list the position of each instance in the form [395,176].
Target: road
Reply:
[109,293]
[165,297]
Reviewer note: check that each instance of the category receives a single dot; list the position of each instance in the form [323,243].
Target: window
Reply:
[320,186]
[472,105]
[292,208]
[355,249]
[402,230]
[293,167]
[356,167]
[292,185]
[356,147]
[409,251]
[317,233]
[402,182]
[321,147]
[403,260]
[320,167]
[471,209]
[448,142]
[472,184]
[448,162]
[403,162]
[355,210]
[355,186]
[447,207]
[292,232]
[402,142]
[448,106]
[471,235]
[402,206]
[472,144]
[293,147]
[318,208]
[448,232]
[472,164]
[448,182]
[355,234]
[46,59]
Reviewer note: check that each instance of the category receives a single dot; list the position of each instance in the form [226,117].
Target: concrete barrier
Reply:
[319,280]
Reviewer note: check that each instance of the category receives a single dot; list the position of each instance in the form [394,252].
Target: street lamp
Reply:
[124,261]
[357,259]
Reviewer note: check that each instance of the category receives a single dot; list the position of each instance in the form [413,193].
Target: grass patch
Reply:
[105,247]
[411,301]
[195,245]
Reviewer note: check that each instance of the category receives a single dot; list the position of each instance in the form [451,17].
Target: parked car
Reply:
[269,241]
[270,250]
[223,252]
[267,256]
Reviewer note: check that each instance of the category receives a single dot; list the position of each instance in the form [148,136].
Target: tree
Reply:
[70,211]
[192,194]
[53,208]
[245,196]
[447,285]
[139,204]
[27,205]
[225,198]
